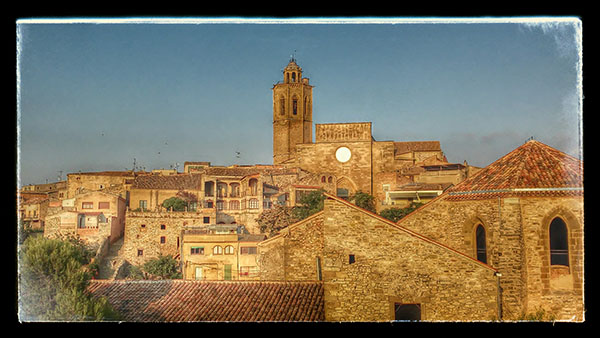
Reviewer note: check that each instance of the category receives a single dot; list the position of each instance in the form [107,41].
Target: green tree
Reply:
[272,220]
[164,267]
[310,204]
[176,203]
[363,200]
[395,214]
[53,281]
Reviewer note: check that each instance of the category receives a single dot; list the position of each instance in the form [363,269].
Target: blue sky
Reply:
[94,96]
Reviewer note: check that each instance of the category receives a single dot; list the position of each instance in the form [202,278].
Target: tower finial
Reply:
[293,57]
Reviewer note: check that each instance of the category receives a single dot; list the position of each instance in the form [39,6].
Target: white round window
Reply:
[343,154]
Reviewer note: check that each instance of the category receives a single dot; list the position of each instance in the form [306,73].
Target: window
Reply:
[140,252]
[163,227]
[253,186]
[163,239]
[253,203]
[220,205]
[197,250]
[103,205]
[323,179]
[480,243]
[330,179]
[206,219]
[248,250]
[282,106]
[198,273]
[559,249]
[209,188]
[234,205]
[143,204]
[229,250]
[351,259]
[217,250]
[143,226]
[407,312]
[295,107]
[87,205]
[235,190]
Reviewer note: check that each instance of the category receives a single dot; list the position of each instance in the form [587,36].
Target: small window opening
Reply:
[351,259]
[481,247]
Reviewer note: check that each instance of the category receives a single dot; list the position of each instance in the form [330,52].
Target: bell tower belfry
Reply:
[292,113]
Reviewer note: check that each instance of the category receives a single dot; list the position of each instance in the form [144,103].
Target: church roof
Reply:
[213,301]
[533,169]
[405,147]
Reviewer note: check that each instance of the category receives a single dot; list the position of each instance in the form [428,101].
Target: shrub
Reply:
[53,281]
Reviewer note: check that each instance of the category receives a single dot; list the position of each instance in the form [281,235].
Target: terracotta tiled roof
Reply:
[171,182]
[194,301]
[405,147]
[533,169]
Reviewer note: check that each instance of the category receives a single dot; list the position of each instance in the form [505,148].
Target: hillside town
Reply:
[482,244]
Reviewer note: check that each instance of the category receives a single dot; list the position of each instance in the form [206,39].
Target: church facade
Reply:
[346,155]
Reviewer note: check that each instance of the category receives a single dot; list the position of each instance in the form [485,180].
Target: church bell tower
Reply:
[292,113]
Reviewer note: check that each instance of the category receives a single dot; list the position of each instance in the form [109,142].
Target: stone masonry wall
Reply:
[517,245]
[292,255]
[392,266]
[147,238]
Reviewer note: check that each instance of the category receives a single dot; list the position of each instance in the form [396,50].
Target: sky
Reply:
[94,95]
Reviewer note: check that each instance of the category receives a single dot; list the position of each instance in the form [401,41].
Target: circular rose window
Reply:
[343,154]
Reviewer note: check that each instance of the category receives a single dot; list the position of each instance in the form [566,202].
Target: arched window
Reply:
[253,185]
[234,205]
[293,77]
[217,250]
[253,203]
[295,106]
[229,250]
[330,179]
[282,106]
[480,243]
[323,179]
[559,249]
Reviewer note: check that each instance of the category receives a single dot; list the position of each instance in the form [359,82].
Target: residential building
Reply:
[93,216]
[219,252]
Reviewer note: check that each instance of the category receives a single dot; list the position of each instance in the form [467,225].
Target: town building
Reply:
[94,217]
[393,273]
[523,215]
[219,252]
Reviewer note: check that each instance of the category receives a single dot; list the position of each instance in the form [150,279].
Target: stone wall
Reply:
[148,237]
[292,254]
[517,245]
[391,266]
[320,158]
[395,266]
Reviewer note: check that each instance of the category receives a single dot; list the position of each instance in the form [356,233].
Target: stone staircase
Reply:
[109,267]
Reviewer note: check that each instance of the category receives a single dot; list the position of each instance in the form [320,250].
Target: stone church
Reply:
[347,154]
